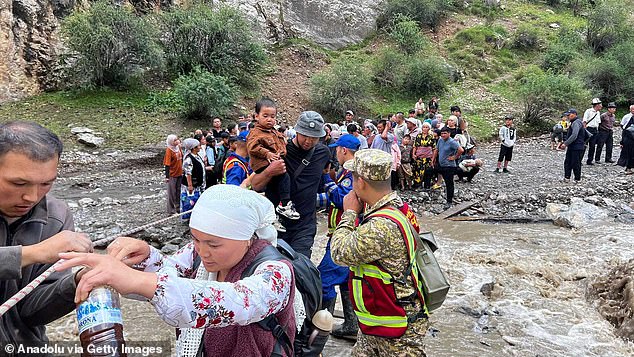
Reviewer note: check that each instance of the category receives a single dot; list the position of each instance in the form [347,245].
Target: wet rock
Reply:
[487,288]
[90,140]
[109,201]
[81,130]
[469,311]
[87,201]
[577,215]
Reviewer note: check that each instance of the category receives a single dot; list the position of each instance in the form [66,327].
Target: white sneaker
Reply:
[278,226]
[288,211]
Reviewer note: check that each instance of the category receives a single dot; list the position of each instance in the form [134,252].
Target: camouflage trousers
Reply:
[411,344]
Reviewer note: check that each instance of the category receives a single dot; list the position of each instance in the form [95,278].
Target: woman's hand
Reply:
[129,250]
[107,270]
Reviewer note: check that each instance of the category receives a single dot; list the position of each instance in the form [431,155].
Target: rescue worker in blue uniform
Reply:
[331,273]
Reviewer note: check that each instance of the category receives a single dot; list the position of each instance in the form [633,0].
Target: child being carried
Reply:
[264,145]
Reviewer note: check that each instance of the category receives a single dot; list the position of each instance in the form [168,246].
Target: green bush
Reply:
[544,94]
[602,73]
[108,45]
[217,39]
[557,58]
[608,23]
[407,36]
[527,38]
[427,13]
[425,76]
[388,69]
[344,85]
[201,94]
[623,53]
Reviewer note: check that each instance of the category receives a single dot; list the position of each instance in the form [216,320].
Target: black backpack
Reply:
[308,283]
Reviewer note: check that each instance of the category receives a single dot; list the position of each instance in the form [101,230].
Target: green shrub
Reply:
[527,38]
[602,73]
[623,53]
[217,39]
[407,36]
[202,94]
[425,76]
[388,69]
[109,44]
[544,94]
[427,13]
[344,85]
[557,58]
[608,23]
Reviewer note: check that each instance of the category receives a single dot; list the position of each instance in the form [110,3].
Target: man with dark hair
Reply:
[384,139]
[34,229]
[447,153]
[354,130]
[576,146]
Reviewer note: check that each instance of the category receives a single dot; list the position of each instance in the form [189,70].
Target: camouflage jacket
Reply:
[375,240]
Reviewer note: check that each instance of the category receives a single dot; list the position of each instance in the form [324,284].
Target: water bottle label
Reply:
[93,313]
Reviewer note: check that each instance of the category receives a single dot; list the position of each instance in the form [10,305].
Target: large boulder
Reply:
[332,24]
[576,215]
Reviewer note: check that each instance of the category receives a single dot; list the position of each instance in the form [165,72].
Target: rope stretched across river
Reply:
[37,281]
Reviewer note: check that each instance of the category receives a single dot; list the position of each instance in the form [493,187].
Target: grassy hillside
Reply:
[489,52]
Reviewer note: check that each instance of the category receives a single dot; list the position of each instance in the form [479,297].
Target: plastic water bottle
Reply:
[101,324]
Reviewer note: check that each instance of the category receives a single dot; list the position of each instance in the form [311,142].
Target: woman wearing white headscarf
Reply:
[173,162]
[193,182]
[230,226]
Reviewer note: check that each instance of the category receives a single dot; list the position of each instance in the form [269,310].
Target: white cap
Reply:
[232,212]
[596,101]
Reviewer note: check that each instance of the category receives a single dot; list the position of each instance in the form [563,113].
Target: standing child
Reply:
[266,144]
[508,134]
[557,135]
[405,173]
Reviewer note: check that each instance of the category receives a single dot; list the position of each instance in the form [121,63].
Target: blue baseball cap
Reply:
[243,136]
[572,111]
[348,141]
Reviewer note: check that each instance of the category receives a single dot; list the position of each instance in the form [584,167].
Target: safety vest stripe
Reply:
[334,211]
[357,288]
[404,226]
[229,162]
[387,321]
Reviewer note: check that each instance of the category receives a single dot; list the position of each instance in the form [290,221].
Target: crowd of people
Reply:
[593,132]
[246,187]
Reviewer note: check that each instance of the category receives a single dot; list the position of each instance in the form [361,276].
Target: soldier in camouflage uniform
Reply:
[378,241]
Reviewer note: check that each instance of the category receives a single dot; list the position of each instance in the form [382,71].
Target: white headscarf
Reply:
[232,212]
[170,142]
[189,144]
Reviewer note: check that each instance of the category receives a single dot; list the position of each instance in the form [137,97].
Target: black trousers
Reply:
[447,175]
[606,137]
[279,189]
[592,144]
[572,163]
[428,176]
[301,238]
[468,175]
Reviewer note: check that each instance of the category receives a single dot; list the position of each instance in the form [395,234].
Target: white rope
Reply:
[12,301]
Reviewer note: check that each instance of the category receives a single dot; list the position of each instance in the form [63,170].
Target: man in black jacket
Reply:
[34,229]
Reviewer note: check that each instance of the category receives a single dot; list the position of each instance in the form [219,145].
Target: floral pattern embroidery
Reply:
[184,302]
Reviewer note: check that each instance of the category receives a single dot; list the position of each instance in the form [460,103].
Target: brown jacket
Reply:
[262,141]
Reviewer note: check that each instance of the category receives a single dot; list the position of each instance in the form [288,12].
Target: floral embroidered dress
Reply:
[184,302]
[423,145]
